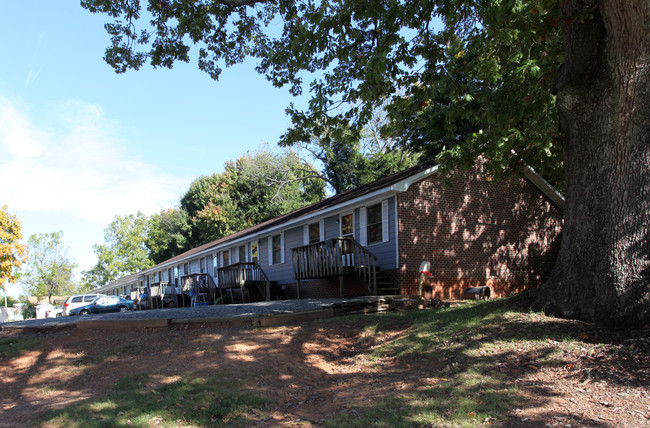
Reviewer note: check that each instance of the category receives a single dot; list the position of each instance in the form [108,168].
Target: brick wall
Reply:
[477,231]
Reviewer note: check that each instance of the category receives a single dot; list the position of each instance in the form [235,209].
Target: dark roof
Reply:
[325,203]
[127,278]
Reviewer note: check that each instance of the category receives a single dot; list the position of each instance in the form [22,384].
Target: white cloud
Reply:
[78,166]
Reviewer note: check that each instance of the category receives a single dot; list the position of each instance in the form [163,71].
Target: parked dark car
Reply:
[104,304]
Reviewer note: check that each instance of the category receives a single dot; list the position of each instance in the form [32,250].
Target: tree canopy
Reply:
[123,253]
[252,189]
[13,253]
[168,234]
[434,59]
[349,159]
[49,271]
[463,79]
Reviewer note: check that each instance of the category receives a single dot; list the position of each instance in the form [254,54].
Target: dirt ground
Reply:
[314,370]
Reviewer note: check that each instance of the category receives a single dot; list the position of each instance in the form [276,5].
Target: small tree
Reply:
[10,301]
[252,189]
[49,271]
[124,252]
[13,253]
[169,232]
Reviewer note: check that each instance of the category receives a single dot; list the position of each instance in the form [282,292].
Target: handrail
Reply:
[212,289]
[193,281]
[334,257]
[237,274]
[160,289]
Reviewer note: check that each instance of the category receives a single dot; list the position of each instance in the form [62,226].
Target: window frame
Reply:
[307,232]
[364,225]
[341,234]
[272,250]
[375,224]
[254,251]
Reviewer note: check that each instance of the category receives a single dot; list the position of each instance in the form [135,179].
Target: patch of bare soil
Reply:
[311,371]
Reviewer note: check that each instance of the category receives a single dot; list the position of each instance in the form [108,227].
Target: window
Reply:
[169,275]
[202,266]
[347,225]
[314,233]
[255,246]
[186,269]
[226,257]
[242,253]
[276,249]
[374,223]
[215,265]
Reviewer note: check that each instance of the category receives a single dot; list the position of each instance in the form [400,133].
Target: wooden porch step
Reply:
[385,285]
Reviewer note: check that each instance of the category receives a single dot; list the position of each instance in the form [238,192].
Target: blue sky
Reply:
[80,144]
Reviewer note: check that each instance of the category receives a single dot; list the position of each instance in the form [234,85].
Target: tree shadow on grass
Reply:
[199,401]
[464,366]
[476,362]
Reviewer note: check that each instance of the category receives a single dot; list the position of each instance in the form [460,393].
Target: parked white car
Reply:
[41,310]
[55,312]
[77,301]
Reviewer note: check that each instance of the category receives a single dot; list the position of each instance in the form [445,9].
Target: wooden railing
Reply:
[238,274]
[162,289]
[195,281]
[335,257]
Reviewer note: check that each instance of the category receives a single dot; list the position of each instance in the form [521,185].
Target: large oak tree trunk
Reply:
[603,96]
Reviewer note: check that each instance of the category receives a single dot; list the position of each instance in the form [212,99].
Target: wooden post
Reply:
[268,291]
[298,288]
[339,247]
[374,278]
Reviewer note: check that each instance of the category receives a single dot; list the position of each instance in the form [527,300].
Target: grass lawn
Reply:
[476,364]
